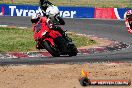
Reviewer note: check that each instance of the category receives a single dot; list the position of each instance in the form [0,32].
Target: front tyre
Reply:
[52,50]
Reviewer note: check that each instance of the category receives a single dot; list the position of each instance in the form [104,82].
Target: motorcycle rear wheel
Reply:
[52,50]
[73,50]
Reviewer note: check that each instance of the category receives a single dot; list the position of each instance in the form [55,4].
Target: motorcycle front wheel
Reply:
[52,50]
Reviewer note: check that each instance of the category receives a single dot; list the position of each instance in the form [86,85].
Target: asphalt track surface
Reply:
[111,29]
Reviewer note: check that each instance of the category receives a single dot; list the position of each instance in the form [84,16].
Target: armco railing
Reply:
[66,12]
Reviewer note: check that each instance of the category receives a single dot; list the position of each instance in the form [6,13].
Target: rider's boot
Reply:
[64,35]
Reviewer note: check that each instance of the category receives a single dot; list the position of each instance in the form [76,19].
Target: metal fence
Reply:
[95,3]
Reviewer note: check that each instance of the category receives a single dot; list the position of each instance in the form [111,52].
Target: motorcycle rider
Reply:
[37,18]
[44,5]
[128,21]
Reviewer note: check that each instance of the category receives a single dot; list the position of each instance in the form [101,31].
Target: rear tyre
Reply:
[73,50]
[61,44]
[52,50]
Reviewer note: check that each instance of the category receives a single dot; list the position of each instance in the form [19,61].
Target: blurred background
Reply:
[90,3]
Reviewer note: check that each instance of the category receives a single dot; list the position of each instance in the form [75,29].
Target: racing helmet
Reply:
[35,18]
[129,14]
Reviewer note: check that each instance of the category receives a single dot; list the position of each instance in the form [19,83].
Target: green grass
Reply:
[81,40]
[21,40]
[12,39]
[95,3]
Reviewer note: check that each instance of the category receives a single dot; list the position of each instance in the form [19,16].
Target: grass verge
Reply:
[93,3]
[21,40]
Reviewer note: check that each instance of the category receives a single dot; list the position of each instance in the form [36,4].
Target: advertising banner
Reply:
[28,10]
[120,12]
[2,10]
[77,12]
[105,13]
[110,13]
[19,10]
[65,12]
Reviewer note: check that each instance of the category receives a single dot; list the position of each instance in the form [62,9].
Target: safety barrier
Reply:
[110,13]
[65,12]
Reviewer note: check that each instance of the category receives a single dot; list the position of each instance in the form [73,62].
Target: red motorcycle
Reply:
[53,41]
